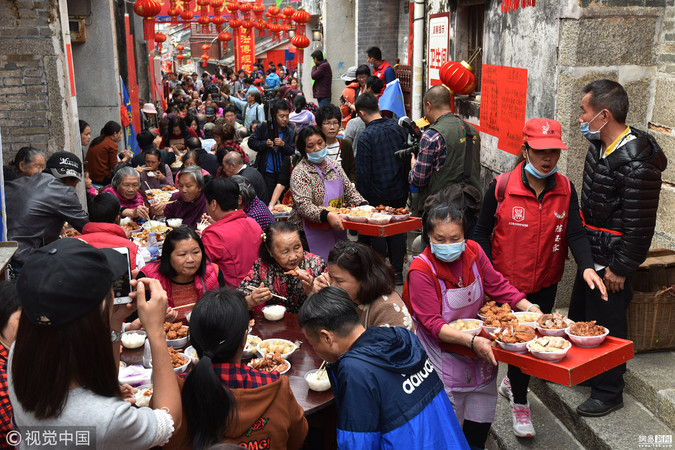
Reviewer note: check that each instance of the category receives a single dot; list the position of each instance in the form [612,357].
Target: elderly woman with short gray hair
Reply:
[125,185]
[188,203]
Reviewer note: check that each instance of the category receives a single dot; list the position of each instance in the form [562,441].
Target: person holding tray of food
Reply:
[224,400]
[528,251]
[284,268]
[370,283]
[446,282]
[317,183]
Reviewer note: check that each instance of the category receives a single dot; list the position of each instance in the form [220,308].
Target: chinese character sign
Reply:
[244,50]
[439,37]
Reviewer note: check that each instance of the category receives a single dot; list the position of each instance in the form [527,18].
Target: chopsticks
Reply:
[149,188]
[251,288]
[185,306]
[321,367]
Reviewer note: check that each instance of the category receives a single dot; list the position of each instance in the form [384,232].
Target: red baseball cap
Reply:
[541,134]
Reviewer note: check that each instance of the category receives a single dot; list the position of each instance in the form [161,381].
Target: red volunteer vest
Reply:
[109,235]
[379,72]
[528,243]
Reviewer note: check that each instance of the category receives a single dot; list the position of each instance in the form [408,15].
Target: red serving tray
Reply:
[390,229]
[579,365]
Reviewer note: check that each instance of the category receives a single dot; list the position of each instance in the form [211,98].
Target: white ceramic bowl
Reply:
[263,351]
[550,356]
[489,330]
[587,341]
[400,217]
[317,384]
[481,316]
[274,312]
[141,398]
[560,332]
[181,369]
[379,219]
[150,174]
[133,339]
[520,347]
[180,342]
[532,323]
[473,331]
[192,353]
[175,222]
[359,219]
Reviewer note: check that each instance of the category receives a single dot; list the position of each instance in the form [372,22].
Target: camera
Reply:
[414,134]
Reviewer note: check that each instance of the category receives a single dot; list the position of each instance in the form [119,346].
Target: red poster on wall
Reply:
[512,104]
[489,107]
[244,50]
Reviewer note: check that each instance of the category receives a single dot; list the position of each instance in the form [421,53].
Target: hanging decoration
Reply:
[288,18]
[301,41]
[218,20]
[205,55]
[148,9]
[224,37]
[160,38]
[180,56]
[204,18]
[273,15]
[459,77]
[260,24]
[173,12]
[234,21]
[187,15]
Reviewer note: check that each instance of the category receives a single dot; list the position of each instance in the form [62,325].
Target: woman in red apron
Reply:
[446,282]
[317,183]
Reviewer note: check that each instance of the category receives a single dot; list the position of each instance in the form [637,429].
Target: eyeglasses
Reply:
[332,124]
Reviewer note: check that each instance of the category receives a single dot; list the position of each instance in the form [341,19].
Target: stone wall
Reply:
[33,99]
[378,25]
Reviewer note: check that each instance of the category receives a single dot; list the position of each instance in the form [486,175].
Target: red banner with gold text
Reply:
[244,50]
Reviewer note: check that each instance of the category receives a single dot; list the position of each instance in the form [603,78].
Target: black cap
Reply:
[210,111]
[64,165]
[66,279]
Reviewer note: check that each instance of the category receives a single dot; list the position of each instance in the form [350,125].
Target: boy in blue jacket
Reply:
[386,390]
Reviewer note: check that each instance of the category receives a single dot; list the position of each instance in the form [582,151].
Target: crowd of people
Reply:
[231,157]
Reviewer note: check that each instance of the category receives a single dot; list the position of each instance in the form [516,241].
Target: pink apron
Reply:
[322,238]
[459,373]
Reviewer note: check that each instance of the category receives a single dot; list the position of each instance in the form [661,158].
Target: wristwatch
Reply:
[115,336]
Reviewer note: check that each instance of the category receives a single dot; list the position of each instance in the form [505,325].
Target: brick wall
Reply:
[378,22]
[31,91]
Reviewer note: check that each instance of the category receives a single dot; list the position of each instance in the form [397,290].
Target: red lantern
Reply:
[217,20]
[288,13]
[302,17]
[273,11]
[148,9]
[458,77]
[248,25]
[180,57]
[205,56]
[173,12]
[234,23]
[160,38]
[225,38]
[204,21]
[232,7]
[245,8]
[258,10]
[180,47]
[186,15]
[261,26]
[204,18]
[300,42]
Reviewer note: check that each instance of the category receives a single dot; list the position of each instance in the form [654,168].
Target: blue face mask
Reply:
[448,252]
[318,156]
[588,134]
[529,168]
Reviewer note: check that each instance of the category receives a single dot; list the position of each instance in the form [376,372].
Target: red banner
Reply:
[411,32]
[244,50]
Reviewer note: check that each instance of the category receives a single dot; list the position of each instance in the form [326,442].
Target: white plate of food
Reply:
[269,363]
[281,347]
[468,326]
[549,348]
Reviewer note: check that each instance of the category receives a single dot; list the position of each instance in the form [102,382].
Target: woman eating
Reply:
[446,282]
[102,153]
[125,186]
[189,202]
[63,368]
[370,283]
[316,183]
[155,174]
[184,271]
[284,268]
[224,400]
[176,134]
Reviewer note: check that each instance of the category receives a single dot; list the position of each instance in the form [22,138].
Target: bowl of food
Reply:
[468,326]
[358,215]
[251,346]
[553,324]
[179,360]
[379,219]
[175,222]
[280,347]
[493,322]
[274,312]
[270,363]
[317,380]
[527,318]
[400,214]
[491,308]
[192,353]
[143,395]
[133,339]
[155,226]
[587,334]
[514,338]
[549,348]
[176,334]
[151,174]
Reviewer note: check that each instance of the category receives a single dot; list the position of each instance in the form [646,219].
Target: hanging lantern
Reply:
[246,8]
[288,18]
[160,38]
[247,25]
[458,77]
[234,23]
[204,18]
[232,7]
[261,26]
[258,10]
[205,56]
[187,14]
[217,20]
[173,12]
[180,56]
[300,42]
[301,17]
[273,13]
[148,9]
[225,38]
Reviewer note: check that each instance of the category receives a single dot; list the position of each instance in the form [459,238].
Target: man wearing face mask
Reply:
[528,218]
[619,200]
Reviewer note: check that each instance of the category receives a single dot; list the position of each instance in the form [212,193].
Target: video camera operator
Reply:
[442,150]
[273,140]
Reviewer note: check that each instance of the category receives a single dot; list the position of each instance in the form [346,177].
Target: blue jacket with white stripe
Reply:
[389,396]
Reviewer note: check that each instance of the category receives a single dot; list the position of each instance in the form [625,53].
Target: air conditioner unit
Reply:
[78,32]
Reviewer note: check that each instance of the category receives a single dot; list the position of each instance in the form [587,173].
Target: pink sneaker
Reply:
[522,425]
[505,388]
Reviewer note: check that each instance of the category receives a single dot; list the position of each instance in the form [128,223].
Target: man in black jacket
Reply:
[619,200]
[272,149]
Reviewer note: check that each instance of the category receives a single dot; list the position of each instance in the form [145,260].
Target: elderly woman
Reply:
[370,283]
[316,183]
[189,202]
[284,268]
[125,186]
[28,161]
[184,271]
[446,282]
[251,204]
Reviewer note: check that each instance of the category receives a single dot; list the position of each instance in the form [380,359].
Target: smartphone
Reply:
[343,100]
[122,286]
